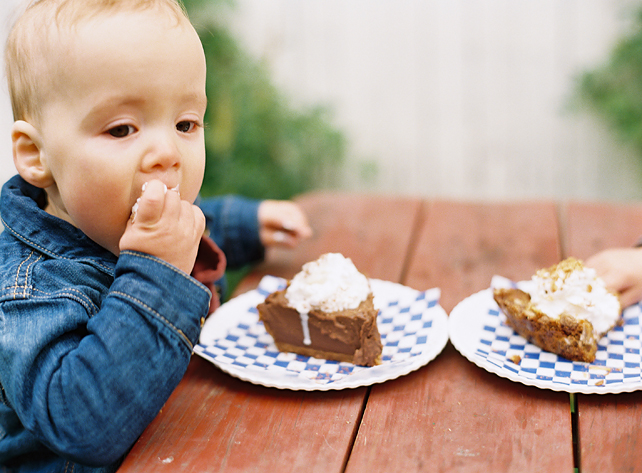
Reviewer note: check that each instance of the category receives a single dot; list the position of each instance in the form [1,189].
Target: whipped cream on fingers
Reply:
[135,206]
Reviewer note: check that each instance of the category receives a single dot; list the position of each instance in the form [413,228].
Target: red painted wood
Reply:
[610,432]
[216,423]
[591,227]
[452,415]
[374,231]
[462,245]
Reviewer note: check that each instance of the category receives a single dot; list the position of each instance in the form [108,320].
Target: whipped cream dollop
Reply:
[329,284]
[571,288]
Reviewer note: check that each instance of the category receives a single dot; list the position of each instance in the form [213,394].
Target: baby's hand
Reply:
[165,226]
[621,270]
[282,223]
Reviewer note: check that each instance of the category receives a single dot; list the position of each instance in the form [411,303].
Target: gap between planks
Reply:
[562,225]
[577,468]
[356,429]
[421,215]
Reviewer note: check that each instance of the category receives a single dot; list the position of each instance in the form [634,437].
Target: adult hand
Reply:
[621,270]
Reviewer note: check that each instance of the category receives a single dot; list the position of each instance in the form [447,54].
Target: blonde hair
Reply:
[28,51]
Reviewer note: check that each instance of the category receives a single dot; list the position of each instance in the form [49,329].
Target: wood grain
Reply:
[374,231]
[452,415]
[216,423]
[462,245]
[594,226]
[609,426]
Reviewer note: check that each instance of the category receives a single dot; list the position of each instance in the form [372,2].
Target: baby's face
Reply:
[129,109]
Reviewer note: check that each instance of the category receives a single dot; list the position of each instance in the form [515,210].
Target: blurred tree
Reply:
[257,145]
[614,90]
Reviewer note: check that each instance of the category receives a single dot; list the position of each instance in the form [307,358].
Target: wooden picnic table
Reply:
[449,415]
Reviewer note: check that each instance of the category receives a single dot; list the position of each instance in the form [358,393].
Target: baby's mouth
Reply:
[175,189]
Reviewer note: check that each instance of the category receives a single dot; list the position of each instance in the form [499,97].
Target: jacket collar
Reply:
[21,210]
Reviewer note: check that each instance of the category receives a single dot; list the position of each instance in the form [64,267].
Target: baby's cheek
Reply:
[191,184]
[105,225]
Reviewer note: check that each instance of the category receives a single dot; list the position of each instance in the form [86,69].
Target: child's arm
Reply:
[88,359]
[89,380]
[243,227]
[621,269]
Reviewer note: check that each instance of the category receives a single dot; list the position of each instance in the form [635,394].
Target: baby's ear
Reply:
[27,155]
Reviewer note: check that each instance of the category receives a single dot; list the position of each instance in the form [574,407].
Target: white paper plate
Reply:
[412,324]
[478,330]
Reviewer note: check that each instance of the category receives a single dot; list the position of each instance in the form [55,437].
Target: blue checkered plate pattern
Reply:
[478,330]
[412,324]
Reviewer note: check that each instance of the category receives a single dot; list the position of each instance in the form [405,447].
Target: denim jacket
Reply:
[91,345]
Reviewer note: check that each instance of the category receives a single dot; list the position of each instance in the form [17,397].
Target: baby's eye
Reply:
[121,131]
[186,126]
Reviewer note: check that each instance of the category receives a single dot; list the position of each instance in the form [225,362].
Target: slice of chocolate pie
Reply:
[327,312]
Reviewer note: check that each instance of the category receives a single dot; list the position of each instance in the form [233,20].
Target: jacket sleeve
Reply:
[234,227]
[89,382]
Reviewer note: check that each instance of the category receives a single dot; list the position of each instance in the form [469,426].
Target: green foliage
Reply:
[257,144]
[614,90]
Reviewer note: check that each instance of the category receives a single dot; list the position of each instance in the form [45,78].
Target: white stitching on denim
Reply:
[176,329]
[73,294]
[81,301]
[166,264]
[24,293]
[45,250]
[17,285]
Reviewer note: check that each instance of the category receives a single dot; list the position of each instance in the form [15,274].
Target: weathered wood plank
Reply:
[452,415]
[216,423]
[610,425]
[462,245]
[374,231]
[591,227]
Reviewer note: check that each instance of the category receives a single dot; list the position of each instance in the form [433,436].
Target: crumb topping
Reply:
[573,289]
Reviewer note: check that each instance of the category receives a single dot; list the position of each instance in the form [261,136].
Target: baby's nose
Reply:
[163,152]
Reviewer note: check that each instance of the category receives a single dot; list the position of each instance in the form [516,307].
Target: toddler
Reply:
[103,248]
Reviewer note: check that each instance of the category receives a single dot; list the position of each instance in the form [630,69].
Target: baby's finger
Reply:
[198,219]
[149,207]
[271,237]
[173,206]
[284,215]
[298,228]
